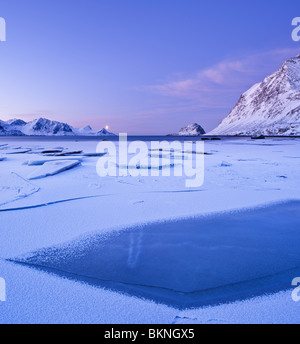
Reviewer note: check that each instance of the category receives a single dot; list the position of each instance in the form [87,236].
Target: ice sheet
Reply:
[188,263]
[51,168]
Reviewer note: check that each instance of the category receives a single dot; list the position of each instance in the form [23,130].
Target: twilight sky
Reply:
[141,67]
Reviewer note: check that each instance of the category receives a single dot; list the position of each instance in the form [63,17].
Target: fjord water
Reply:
[187,263]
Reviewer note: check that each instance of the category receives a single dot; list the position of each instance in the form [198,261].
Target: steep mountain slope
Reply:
[271,107]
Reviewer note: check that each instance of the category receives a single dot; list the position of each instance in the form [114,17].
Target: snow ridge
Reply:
[271,107]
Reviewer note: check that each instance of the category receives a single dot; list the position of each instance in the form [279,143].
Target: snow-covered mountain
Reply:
[104,132]
[6,129]
[84,131]
[46,127]
[8,132]
[271,107]
[88,131]
[15,122]
[191,130]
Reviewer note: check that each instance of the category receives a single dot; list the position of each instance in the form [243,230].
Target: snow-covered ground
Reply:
[77,203]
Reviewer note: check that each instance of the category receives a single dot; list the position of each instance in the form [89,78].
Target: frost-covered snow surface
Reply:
[248,210]
[13,187]
[46,127]
[271,107]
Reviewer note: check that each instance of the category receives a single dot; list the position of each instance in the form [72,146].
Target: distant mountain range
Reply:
[46,127]
[271,107]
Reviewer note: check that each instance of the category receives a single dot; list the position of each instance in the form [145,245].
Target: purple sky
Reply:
[141,67]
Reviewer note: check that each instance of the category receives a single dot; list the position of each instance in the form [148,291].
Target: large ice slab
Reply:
[63,153]
[51,168]
[43,161]
[191,262]
[17,151]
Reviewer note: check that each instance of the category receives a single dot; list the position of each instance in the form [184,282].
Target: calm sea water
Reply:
[9,139]
[93,138]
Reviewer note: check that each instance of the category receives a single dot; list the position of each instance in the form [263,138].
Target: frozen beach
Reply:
[78,248]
